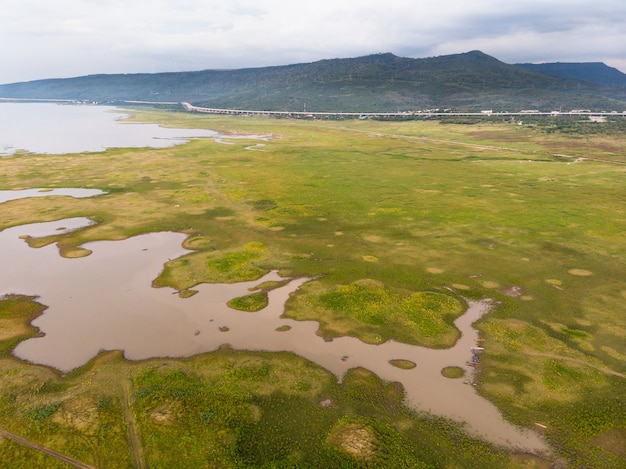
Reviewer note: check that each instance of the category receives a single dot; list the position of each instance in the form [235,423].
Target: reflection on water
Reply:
[105,302]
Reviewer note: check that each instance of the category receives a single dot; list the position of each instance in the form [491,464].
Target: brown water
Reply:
[105,302]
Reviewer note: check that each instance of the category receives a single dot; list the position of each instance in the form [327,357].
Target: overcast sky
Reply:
[65,38]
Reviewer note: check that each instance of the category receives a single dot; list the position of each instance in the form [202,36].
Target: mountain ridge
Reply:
[377,82]
[593,72]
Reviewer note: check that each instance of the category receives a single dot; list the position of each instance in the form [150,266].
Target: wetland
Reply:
[105,301]
[375,245]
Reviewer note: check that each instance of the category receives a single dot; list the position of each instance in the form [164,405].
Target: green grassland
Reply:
[397,223]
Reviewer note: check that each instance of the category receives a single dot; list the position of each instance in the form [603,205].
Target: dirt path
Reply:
[37,447]
[136,450]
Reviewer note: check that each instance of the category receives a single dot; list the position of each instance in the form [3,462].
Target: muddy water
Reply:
[105,302]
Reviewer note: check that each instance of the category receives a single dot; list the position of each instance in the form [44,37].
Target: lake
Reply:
[64,128]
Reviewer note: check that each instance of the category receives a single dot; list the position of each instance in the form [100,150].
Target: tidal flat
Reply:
[391,220]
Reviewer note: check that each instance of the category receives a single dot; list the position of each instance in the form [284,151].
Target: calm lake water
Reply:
[60,128]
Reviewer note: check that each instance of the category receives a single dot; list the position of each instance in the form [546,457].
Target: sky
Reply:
[66,38]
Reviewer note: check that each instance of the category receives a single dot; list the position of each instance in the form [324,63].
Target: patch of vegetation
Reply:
[453,372]
[424,318]
[366,301]
[43,412]
[403,364]
[253,302]
[16,313]
[432,312]
[210,414]
[214,267]
[188,293]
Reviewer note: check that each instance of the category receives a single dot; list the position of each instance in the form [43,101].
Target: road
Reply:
[37,447]
[134,442]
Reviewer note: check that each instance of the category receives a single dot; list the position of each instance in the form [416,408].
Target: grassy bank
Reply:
[398,222]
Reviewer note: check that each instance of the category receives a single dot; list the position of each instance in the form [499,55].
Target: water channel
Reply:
[95,304]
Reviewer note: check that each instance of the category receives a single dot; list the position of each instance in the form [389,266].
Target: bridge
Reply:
[342,115]
[406,114]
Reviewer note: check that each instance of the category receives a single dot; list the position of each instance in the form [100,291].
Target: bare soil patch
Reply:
[580,272]
[613,441]
[531,461]
[355,440]
[10,329]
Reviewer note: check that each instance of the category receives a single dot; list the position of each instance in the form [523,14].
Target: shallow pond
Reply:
[105,302]
[6,196]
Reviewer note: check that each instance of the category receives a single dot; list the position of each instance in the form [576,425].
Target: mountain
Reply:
[380,82]
[593,72]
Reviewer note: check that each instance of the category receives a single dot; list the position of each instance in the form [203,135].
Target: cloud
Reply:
[78,37]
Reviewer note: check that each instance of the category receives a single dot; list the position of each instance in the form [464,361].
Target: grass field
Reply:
[397,222]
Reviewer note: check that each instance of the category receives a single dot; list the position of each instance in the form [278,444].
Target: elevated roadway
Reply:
[410,114]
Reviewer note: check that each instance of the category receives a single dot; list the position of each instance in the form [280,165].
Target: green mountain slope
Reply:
[593,72]
[381,82]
